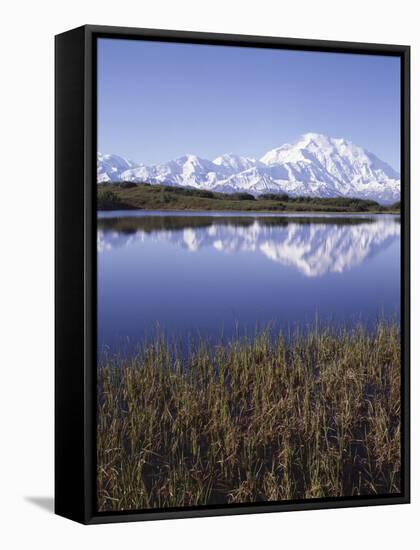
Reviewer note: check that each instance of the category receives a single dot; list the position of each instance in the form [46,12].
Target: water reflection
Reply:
[314,246]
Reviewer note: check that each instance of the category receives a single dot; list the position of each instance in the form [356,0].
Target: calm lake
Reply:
[213,274]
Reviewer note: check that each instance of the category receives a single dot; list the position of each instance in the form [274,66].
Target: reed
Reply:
[257,419]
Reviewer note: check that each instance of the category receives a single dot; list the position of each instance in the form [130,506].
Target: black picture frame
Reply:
[75,270]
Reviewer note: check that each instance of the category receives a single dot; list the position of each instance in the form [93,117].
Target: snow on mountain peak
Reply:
[190,159]
[315,165]
[110,167]
[314,137]
[233,162]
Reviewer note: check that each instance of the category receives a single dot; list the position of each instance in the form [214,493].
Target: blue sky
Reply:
[158,101]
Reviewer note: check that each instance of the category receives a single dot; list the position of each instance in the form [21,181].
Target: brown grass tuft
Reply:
[260,420]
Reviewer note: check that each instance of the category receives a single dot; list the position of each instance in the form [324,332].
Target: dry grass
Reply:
[257,420]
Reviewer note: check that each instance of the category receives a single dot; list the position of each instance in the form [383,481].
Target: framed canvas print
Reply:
[232,274]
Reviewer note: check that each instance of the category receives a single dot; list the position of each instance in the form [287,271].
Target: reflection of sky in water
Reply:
[203,274]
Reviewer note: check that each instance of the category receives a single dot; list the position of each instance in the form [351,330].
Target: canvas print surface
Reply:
[248,246]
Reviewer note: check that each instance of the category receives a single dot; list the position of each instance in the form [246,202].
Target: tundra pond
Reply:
[217,275]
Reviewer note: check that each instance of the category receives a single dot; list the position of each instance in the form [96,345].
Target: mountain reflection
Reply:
[313,245]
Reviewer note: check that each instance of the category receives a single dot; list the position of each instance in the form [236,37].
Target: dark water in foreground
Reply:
[208,274]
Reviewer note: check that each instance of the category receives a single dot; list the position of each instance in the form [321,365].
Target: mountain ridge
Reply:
[314,165]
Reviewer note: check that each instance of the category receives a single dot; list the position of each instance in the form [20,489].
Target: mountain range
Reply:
[315,165]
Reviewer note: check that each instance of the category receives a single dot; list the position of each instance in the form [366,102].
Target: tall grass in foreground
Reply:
[254,420]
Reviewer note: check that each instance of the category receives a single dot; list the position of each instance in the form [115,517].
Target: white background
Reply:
[26,272]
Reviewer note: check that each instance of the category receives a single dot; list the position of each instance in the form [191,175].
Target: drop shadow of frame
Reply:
[45,503]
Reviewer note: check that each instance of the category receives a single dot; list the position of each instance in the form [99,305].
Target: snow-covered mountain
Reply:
[316,165]
[110,167]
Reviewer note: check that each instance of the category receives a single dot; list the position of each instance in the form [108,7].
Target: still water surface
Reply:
[211,273]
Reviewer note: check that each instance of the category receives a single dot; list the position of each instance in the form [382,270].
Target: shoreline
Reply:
[255,212]
[140,197]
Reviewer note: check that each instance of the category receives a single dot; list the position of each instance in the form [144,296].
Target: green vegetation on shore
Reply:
[251,420]
[128,195]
